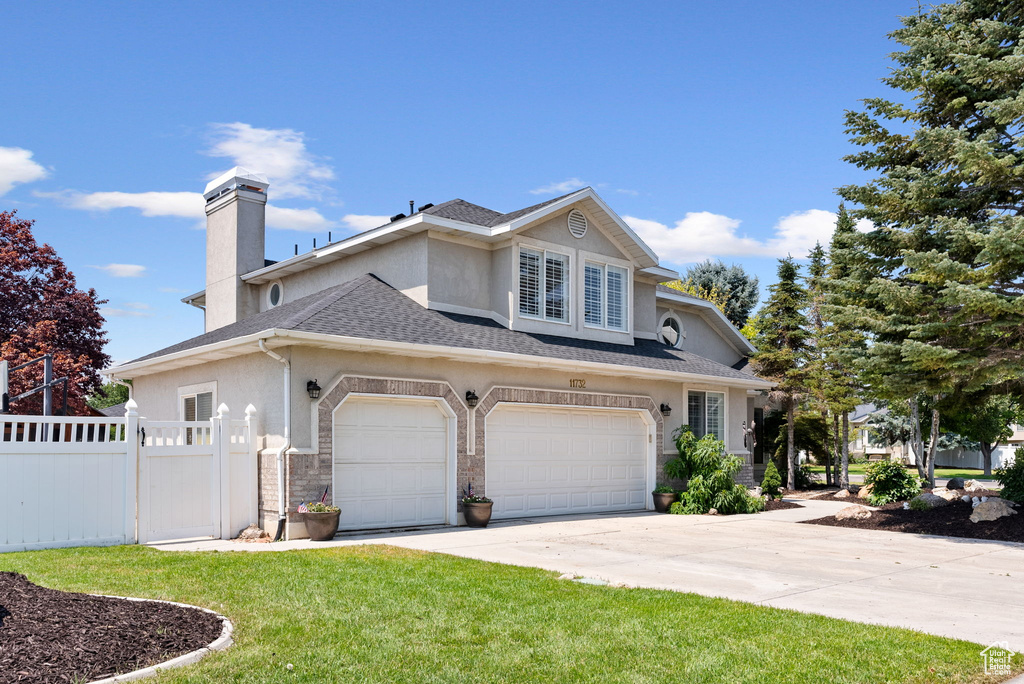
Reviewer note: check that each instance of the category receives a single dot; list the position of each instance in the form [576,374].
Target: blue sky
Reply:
[715,129]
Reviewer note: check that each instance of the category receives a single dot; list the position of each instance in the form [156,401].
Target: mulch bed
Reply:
[779,505]
[949,521]
[55,636]
[852,499]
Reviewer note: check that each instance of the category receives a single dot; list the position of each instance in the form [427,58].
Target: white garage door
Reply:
[390,463]
[544,460]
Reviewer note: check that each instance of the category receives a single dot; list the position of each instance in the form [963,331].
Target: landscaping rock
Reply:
[932,500]
[993,509]
[252,533]
[974,486]
[755,492]
[865,491]
[955,483]
[853,513]
[843,494]
[713,511]
[947,494]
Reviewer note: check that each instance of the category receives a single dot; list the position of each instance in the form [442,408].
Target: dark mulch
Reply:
[853,498]
[55,636]
[949,521]
[779,505]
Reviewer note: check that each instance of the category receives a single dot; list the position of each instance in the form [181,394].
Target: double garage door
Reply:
[391,465]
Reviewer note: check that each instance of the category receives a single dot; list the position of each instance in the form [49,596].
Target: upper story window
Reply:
[605,296]
[671,331]
[543,285]
[274,295]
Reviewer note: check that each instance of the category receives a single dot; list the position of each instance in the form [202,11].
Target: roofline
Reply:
[240,345]
[708,306]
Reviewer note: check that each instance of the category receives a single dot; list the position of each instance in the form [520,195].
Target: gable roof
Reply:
[459,217]
[353,311]
[712,314]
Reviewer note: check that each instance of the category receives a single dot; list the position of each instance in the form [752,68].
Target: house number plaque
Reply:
[577,383]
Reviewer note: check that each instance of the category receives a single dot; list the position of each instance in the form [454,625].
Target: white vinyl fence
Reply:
[95,481]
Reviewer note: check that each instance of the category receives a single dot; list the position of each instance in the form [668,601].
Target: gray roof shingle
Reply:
[367,307]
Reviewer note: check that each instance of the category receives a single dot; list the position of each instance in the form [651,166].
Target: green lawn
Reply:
[382,614]
[944,473]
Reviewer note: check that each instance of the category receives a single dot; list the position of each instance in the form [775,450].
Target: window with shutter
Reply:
[617,290]
[593,299]
[529,282]
[543,292]
[605,295]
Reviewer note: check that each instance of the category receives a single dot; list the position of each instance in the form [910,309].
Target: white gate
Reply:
[79,481]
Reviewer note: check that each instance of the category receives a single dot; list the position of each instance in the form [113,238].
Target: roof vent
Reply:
[577,223]
[396,217]
[425,207]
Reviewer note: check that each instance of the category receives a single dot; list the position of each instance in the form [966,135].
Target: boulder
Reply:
[865,491]
[252,533]
[853,513]
[712,511]
[932,500]
[974,486]
[755,492]
[955,483]
[947,494]
[843,494]
[993,509]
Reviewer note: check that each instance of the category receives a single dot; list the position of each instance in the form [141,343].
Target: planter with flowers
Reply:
[321,520]
[477,509]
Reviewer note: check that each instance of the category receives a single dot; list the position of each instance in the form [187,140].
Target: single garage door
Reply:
[545,460]
[390,463]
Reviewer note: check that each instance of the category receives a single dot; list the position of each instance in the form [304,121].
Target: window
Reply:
[543,285]
[274,295]
[605,296]
[196,407]
[671,332]
[706,412]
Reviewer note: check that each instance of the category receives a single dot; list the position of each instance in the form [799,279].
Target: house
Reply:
[534,354]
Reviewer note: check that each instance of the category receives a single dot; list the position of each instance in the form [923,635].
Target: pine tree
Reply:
[738,289]
[818,379]
[782,348]
[941,292]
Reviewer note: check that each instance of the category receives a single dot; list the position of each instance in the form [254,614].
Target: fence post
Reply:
[131,471]
[222,452]
[252,465]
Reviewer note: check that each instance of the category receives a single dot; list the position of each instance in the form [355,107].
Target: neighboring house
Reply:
[535,355]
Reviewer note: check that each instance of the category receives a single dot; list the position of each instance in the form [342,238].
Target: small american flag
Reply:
[302,508]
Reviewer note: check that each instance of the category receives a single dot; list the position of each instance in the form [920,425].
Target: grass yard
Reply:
[383,614]
[944,473]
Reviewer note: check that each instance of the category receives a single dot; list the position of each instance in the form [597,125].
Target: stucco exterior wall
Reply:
[701,338]
[459,275]
[556,230]
[234,246]
[501,282]
[645,309]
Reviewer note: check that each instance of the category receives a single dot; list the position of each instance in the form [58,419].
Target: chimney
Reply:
[236,205]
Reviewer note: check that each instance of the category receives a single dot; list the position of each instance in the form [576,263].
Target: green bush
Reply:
[771,484]
[664,489]
[919,504]
[717,489]
[890,482]
[1012,477]
[696,456]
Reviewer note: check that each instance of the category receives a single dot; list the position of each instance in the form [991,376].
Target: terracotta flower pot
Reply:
[321,526]
[662,500]
[477,514]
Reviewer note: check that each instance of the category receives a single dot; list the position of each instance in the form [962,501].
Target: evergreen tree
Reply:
[782,347]
[941,288]
[817,370]
[739,289]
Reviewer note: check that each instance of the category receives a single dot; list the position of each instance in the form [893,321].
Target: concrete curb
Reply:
[219,644]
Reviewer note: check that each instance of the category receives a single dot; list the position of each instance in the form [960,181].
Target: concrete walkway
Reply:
[958,588]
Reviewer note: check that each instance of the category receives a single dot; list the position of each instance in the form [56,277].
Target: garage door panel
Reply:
[390,463]
[547,460]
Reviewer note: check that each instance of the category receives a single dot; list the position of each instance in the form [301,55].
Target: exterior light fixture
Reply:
[313,389]
[666,410]
[471,398]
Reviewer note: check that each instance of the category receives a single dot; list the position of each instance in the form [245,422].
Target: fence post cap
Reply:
[250,411]
[222,410]
[131,408]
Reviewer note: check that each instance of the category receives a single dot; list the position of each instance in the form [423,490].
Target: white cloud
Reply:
[361,222]
[559,188]
[280,153]
[626,191]
[137,305]
[183,204]
[703,235]
[307,220]
[16,166]
[110,312]
[122,270]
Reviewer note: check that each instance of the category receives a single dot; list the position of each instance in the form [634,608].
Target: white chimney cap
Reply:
[235,177]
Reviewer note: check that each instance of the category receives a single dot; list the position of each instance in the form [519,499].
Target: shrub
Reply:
[805,477]
[663,489]
[919,504]
[772,482]
[890,481]
[696,456]
[1011,477]
[717,489]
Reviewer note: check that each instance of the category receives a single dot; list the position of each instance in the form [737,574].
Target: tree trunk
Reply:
[790,446]
[837,453]
[828,451]
[932,444]
[844,473]
[986,457]
[917,444]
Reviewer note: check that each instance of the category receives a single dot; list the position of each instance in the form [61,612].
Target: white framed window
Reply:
[543,285]
[196,403]
[670,331]
[605,296]
[275,294]
[706,413]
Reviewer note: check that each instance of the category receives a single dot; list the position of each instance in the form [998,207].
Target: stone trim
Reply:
[514,395]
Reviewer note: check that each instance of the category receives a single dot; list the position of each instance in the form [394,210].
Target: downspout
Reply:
[282,507]
[131,390]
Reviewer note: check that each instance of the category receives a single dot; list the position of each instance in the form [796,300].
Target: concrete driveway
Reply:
[965,589]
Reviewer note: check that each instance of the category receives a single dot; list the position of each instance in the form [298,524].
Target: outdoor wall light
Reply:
[313,389]
[471,398]
[666,410]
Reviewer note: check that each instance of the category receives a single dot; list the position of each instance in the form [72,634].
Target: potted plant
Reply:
[664,496]
[477,509]
[321,520]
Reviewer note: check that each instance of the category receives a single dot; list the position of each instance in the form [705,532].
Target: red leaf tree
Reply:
[42,311]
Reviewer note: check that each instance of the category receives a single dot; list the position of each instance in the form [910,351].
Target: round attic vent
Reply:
[577,223]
